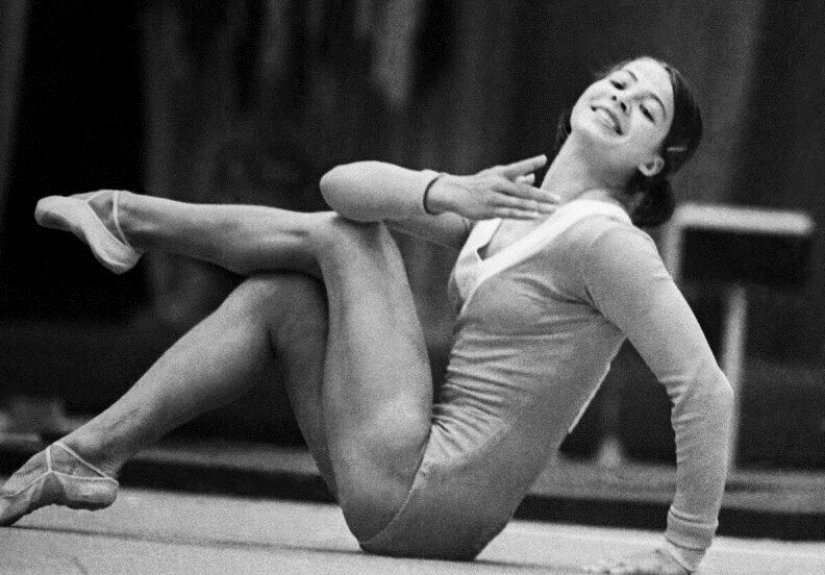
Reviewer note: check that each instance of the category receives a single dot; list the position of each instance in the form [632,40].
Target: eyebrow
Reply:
[652,93]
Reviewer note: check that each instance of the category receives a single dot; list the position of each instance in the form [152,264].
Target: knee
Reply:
[294,298]
[368,511]
[371,505]
[375,478]
[332,232]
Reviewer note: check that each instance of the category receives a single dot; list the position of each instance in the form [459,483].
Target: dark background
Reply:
[250,101]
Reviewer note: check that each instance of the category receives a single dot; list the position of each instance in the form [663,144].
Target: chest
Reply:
[507,233]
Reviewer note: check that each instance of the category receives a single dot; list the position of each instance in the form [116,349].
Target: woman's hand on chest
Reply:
[498,192]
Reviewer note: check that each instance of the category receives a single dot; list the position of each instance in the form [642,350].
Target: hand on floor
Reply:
[649,563]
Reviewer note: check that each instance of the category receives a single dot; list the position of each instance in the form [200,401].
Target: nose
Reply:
[621,102]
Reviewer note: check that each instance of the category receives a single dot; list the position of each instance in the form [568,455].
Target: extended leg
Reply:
[268,317]
[243,239]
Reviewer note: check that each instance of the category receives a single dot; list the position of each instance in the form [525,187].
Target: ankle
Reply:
[94,452]
[129,218]
[119,223]
[124,220]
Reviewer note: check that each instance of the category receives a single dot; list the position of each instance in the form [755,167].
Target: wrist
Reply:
[433,198]
[688,559]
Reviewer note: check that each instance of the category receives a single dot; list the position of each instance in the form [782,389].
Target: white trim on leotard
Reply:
[471,270]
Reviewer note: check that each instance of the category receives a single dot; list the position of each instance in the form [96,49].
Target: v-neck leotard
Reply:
[538,324]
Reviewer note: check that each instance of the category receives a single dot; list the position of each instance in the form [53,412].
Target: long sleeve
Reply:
[628,283]
[377,191]
[373,191]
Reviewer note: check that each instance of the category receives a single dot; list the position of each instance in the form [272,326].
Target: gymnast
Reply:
[548,283]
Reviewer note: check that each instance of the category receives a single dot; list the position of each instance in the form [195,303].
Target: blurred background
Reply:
[250,101]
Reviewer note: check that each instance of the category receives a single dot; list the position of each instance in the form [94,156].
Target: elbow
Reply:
[720,399]
[343,190]
[332,185]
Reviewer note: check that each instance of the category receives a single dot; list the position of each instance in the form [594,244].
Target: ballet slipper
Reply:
[40,483]
[75,214]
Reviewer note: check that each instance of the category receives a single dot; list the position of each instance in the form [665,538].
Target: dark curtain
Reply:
[251,100]
[458,86]
[13,25]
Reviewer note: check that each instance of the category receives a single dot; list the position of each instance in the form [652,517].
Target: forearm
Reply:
[437,209]
[376,191]
[701,420]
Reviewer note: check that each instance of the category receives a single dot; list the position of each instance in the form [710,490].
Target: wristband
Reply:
[427,192]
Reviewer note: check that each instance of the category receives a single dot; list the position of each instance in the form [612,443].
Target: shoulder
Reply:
[603,235]
[616,256]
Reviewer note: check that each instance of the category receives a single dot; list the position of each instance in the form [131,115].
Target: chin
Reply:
[592,136]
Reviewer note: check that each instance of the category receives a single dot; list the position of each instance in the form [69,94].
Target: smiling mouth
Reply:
[609,118]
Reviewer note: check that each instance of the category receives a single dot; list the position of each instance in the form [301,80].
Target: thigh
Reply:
[487,446]
[300,341]
[293,308]
[377,390]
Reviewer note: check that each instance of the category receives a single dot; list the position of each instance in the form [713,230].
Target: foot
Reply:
[94,218]
[55,476]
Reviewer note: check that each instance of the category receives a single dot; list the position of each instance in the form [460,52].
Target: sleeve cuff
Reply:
[430,176]
[687,558]
[689,532]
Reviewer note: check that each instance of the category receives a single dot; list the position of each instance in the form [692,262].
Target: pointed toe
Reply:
[75,214]
[40,483]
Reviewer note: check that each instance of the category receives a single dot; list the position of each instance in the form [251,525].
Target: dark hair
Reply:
[658,203]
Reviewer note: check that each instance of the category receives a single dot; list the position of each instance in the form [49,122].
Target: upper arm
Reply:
[378,191]
[447,229]
[628,283]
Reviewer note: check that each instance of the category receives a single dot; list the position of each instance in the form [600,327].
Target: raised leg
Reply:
[243,239]
[377,394]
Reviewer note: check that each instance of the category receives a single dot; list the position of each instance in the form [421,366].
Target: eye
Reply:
[647,113]
[617,84]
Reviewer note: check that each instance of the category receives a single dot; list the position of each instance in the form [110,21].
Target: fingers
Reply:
[529,179]
[516,214]
[529,192]
[491,194]
[643,564]
[523,167]
[523,201]
[615,569]
[525,205]
[603,566]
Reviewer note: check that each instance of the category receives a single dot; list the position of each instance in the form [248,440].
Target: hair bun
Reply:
[656,206]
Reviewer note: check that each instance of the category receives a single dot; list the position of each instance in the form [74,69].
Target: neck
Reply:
[571,176]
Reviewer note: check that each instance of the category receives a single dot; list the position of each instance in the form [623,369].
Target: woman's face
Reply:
[625,116]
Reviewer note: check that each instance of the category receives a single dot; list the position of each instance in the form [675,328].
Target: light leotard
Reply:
[538,324]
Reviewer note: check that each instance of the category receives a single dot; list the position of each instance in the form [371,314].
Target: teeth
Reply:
[608,119]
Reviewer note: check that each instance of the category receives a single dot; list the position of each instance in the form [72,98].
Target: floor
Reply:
[160,532]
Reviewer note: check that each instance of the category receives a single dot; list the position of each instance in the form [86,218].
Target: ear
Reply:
[652,166]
